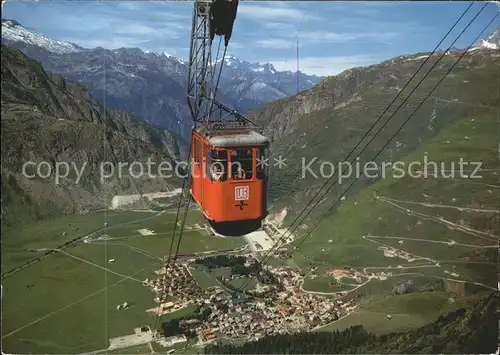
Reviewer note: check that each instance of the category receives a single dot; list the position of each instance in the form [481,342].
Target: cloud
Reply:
[128,5]
[110,43]
[282,27]
[138,30]
[236,45]
[273,13]
[275,43]
[317,37]
[325,66]
[111,25]
[332,37]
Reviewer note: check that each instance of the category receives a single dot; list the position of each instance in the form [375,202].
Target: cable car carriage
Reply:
[229,177]
[228,152]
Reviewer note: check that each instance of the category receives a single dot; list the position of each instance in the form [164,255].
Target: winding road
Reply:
[428,262]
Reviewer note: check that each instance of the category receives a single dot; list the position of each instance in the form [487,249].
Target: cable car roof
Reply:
[233,137]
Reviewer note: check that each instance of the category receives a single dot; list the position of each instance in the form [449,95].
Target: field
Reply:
[377,323]
[207,278]
[17,242]
[66,302]
[141,349]
[406,311]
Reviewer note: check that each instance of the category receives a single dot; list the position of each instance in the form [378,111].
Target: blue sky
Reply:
[333,36]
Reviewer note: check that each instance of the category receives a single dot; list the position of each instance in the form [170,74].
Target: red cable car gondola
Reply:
[229,177]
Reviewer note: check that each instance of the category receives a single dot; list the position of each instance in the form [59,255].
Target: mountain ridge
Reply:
[68,47]
[491,41]
[152,85]
[14,31]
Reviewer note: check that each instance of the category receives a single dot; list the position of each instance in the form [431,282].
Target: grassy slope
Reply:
[408,312]
[330,134]
[364,214]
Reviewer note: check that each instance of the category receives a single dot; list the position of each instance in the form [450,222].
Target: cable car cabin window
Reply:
[197,151]
[217,165]
[241,164]
[262,163]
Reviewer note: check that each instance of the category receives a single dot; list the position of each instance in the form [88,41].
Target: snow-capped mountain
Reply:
[151,84]
[252,84]
[492,41]
[13,31]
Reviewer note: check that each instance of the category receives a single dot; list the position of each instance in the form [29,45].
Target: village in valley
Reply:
[273,303]
[239,294]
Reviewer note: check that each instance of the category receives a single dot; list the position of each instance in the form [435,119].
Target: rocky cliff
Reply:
[49,123]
